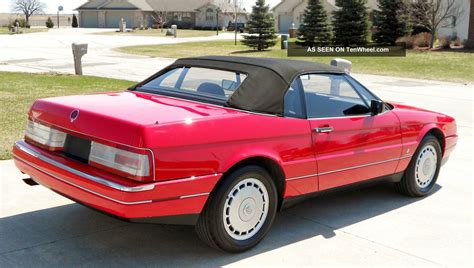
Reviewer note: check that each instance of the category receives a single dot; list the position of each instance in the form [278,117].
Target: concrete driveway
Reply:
[364,227]
[51,52]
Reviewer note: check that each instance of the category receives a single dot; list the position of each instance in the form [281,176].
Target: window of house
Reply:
[210,14]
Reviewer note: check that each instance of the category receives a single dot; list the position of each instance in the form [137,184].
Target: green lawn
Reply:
[19,90]
[158,32]
[436,65]
[4,30]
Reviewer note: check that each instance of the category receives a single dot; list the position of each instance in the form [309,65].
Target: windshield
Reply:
[203,82]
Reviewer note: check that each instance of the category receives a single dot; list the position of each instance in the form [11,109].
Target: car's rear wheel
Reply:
[240,212]
[422,172]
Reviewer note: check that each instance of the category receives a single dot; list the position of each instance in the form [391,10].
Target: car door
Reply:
[350,144]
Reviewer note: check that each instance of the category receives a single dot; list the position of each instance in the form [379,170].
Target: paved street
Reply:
[365,227]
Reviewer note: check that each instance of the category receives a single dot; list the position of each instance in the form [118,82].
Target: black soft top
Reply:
[267,79]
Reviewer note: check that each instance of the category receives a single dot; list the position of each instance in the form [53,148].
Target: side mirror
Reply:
[376,107]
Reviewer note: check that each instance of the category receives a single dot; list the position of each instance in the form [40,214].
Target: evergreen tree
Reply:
[392,21]
[315,29]
[351,23]
[49,23]
[260,28]
[74,21]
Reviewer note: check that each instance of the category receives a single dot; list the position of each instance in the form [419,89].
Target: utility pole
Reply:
[60,8]
[217,20]
[235,21]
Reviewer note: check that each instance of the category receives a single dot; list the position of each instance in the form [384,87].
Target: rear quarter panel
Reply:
[213,145]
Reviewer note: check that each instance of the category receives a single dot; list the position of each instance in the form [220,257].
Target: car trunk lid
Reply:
[121,118]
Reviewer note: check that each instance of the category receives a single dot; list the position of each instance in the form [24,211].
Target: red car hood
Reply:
[122,117]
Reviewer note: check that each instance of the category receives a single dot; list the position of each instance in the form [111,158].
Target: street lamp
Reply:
[217,19]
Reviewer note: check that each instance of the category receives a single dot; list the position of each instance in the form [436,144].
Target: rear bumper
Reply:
[110,194]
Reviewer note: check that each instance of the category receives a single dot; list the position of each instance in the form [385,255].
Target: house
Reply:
[289,13]
[184,13]
[463,26]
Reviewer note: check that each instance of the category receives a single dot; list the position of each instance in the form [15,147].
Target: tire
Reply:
[238,197]
[422,173]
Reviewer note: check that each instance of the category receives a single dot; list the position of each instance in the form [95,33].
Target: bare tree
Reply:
[161,17]
[28,7]
[436,14]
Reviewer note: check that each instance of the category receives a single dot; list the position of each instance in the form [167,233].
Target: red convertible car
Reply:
[226,142]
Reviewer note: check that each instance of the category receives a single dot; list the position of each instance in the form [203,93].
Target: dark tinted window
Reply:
[329,95]
[293,102]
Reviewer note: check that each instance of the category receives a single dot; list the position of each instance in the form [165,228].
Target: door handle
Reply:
[323,129]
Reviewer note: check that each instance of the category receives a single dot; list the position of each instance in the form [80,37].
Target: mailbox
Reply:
[78,50]
[284,41]
[342,64]
[174,29]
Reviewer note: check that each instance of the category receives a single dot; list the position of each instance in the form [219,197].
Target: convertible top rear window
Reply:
[203,82]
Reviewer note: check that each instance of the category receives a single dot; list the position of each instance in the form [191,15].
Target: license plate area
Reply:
[77,148]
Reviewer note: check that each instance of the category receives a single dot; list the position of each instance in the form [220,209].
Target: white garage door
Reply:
[284,23]
[112,19]
[89,19]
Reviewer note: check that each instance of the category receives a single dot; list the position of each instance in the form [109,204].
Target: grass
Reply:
[157,32]
[19,90]
[434,65]
[4,30]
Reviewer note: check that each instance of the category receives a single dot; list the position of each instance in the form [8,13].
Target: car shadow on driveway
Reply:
[75,235]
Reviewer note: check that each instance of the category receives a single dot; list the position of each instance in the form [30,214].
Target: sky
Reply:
[69,5]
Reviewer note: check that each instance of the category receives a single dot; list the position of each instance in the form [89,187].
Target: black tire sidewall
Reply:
[216,206]
[428,140]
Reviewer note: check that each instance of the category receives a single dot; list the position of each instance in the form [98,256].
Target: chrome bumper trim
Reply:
[147,187]
[80,187]
[348,168]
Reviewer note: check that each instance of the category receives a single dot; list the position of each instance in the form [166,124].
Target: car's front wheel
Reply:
[240,212]
[422,172]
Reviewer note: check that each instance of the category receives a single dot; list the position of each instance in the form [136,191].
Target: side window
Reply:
[367,95]
[330,95]
[293,101]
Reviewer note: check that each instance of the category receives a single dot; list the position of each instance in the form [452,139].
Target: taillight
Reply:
[134,165]
[44,136]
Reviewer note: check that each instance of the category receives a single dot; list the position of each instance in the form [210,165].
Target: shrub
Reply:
[422,40]
[74,21]
[23,23]
[445,42]
[408,40]
[197,28]
[49,23]
[468,44]
[457,42]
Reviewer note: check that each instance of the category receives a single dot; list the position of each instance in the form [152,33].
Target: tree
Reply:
[351,23]
[391,21]
[436,14]
[28,7]
[161,17]
[49,23]
[74,21]
[315,29]
[260,27]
